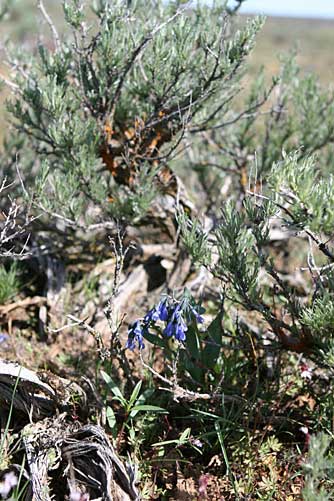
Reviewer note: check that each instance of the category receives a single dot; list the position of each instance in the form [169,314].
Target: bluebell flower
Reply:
[180,330]
[151,316]
[177,312]
[199,319]
[169,330]
[176,326]
[135,336]
[163,310]
[159,312]
[176,316]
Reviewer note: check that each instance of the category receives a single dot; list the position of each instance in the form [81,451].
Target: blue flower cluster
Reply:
[175,315]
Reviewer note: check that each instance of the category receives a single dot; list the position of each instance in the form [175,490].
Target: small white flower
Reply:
[9,481]
[78,496]
[304,429]
[307,374]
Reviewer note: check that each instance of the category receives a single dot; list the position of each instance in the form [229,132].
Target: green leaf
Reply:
[193,343]
[154,339]
[148,408]
[113,388]
[143,397]
[111,418]
[134,394]
[184,437]
[212,349]
[166,442]
[192,357]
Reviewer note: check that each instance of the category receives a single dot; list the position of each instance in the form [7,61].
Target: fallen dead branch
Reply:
[75,459]
[62,457]
[36,395]
[23,304]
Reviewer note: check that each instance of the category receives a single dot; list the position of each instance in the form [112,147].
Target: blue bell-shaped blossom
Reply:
[176,326]
[135,336]
[158,312]
[199,319]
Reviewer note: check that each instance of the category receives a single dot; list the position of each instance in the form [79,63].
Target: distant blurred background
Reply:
[307,25]
[287,8]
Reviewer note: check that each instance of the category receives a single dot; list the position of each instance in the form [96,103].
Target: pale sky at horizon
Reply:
[293,8]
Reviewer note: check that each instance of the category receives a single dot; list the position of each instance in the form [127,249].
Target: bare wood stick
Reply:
[104,352]
[52,27]
[9,83]
[184,394]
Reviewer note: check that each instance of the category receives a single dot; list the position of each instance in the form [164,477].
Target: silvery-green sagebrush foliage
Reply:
[293,113]
[133,86]
[319,470]
[119,94]
[298,201]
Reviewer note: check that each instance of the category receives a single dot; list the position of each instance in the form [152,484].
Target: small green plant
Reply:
[131,407]
[183,439]
[172,325]
[9,282]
